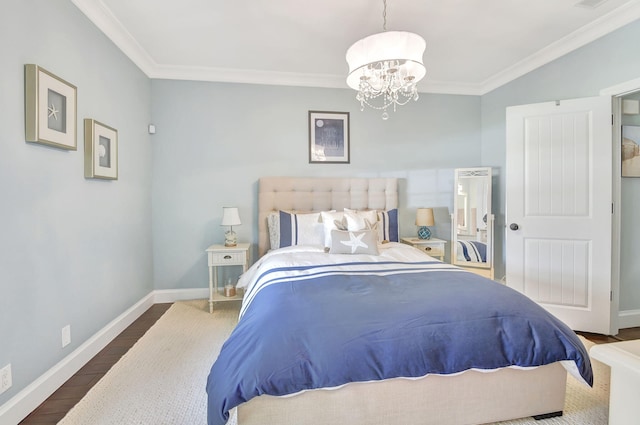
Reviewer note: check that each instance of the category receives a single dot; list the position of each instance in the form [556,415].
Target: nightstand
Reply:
[434,247]
[221,256]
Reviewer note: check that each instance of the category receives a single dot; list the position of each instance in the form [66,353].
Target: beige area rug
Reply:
[161,379]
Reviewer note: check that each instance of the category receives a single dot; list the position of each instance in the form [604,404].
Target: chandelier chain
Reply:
[384,15]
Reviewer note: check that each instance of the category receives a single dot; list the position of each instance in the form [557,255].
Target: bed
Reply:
[329,298]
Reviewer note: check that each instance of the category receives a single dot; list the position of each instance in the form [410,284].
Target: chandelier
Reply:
[385,67]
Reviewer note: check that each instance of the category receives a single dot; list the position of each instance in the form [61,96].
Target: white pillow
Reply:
[360,220]
[329,219]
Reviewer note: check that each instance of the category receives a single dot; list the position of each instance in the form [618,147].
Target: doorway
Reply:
[626,231]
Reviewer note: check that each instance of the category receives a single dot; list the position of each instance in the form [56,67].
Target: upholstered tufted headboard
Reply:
[306,194]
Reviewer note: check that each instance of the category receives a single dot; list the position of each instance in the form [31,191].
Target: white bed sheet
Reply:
[315,254]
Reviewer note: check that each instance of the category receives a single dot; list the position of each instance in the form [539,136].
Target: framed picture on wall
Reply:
[100,150]
[630,151]
[50,109]
[329,137]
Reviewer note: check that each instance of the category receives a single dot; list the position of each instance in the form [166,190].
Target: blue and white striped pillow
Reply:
[388,225]
[300,229]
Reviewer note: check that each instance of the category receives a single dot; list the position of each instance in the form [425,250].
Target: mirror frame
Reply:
[485,173]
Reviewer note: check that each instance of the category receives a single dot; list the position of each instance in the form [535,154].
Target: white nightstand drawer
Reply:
[226,258]
[434,247]
[434,251]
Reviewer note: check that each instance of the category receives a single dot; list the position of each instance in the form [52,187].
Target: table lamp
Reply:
[424,218]
[230,217]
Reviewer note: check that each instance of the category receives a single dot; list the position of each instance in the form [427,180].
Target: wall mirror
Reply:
[472,221]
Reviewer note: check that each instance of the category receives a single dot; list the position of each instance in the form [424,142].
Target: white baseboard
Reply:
[628,319]
[23,403]
[172,295]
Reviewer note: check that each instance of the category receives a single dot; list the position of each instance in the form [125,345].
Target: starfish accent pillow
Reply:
[356,242]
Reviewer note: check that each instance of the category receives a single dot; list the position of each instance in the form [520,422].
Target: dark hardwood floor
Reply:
[60,402]
[55,407]
[623,335]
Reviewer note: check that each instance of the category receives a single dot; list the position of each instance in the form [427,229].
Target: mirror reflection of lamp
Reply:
[424,218]
[230,217]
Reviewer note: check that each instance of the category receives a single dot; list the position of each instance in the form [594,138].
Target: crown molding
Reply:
[606,24]
[103,18]
[449,87]
[247,76]
[622,89]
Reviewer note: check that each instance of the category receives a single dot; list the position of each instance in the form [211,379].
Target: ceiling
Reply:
[473,46]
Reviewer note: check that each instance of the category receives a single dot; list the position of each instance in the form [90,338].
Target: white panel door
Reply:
[559,209]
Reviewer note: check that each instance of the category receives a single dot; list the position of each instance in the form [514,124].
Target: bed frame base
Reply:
[469,398]
[547,416]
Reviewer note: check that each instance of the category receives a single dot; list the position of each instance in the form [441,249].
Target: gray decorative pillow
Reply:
[357,242]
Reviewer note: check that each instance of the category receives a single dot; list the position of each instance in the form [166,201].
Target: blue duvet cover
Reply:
[318,326]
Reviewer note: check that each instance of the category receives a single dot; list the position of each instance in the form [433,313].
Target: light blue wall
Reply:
[72,251]
[214,141]
[611,60]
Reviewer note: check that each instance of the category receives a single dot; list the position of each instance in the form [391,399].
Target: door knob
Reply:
[513,226]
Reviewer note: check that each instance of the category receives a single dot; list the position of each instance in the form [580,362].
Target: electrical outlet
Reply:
[5,378]
[66,336]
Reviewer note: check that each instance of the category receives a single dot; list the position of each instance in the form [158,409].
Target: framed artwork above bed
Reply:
[329,137]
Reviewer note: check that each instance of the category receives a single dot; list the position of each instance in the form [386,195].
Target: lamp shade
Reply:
[424,217]
[230,216]
[403,46]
